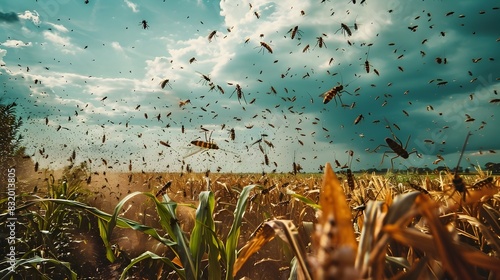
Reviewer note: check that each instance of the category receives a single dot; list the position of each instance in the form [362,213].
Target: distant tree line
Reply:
[490,166]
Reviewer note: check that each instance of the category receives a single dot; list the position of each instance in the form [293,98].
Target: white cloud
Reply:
[58,27]
[132,6]
[3,52]
[32,16]
[63,42]
[117,46]
[16,44]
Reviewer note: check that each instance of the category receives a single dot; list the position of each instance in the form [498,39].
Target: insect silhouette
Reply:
[396,146]
[166,144]
[350,176]
[295,165]
[164,83]
[295,32]
[212,35]
[266,160]
[419,188]
[183,103]
[163,190]
[204,78]
[345,29]
[358,119]
[239,93]
[144,24]
[487,182]
[457,181]
[367,64]
[208,144]
[266,46]
[333,93]
[306,48]
[232,134]
[320,42]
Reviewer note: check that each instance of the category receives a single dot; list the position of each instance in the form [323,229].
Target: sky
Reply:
[87,77]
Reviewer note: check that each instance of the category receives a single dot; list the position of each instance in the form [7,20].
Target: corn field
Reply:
[224,226]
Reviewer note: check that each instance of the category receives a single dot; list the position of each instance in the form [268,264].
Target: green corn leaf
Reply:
[203,236]
[35,261]
[105,218]
[150,255]
[304,199]
[168,219]
[234,232]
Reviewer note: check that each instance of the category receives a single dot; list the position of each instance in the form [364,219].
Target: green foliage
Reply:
[33,262]
[9,136]
[44,229]
[190,251]
[234,232]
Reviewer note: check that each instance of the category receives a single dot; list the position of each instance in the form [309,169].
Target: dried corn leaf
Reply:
[262,235]
[334,241]
[374,214]
[266,232]
[487,234]
[453,260]
[473,196]
[399,214]
[426,243]
[415,272]
[492,216]
[333,202]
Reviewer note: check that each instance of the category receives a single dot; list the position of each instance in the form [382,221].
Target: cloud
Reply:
[58,27]
[8,17]
[32,16]
[16,44]
[3,52]
[116,46]
[64,43]
[132,6]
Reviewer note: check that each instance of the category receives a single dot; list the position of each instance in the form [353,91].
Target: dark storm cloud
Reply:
[8,17]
